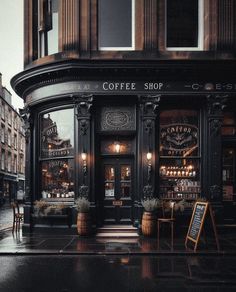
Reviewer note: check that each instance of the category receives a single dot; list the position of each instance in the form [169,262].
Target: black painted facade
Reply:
[123,97]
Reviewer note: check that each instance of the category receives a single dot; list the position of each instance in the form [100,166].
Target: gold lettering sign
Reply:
[117,203]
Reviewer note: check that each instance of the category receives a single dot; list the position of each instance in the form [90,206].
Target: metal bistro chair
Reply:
[17,217]
[167,219]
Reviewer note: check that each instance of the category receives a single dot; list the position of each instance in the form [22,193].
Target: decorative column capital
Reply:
[83,105]
[150,104]
[216,104]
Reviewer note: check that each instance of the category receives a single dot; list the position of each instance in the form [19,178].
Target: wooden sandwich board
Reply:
[200,211]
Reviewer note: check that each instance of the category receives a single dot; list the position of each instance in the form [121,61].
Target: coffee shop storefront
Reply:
[116,142]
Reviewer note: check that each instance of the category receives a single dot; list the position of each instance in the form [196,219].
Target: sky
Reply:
[11,44]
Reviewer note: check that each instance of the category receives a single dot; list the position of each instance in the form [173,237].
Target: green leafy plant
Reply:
[82,204]
[150,204]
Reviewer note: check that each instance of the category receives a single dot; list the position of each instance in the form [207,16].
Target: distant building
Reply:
[12,147]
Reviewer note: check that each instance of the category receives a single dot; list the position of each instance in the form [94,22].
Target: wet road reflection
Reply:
[117,273]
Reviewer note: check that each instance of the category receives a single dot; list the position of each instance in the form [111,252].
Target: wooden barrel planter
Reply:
[149,224]
[83,224]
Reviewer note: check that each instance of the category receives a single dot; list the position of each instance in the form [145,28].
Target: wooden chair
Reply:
[168,217]
[17,217]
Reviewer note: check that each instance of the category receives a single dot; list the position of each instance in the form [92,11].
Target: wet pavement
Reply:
[117,273]
[6,217]
[63,263]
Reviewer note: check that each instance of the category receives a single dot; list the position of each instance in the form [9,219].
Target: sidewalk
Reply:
[74,244]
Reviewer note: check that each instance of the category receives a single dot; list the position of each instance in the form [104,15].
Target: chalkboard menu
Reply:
[197,220]
[195,227]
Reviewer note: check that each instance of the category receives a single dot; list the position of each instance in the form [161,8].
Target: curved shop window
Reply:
[57,154]
[179,155]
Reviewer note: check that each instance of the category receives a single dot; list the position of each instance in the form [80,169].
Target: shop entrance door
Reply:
[117,190]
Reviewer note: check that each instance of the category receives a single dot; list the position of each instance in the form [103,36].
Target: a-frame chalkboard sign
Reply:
[200,211]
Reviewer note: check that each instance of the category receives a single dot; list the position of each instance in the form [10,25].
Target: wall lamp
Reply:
[117,146]
[84,158]
[149,159]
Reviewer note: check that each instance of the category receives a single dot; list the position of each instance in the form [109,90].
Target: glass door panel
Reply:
[125,181]
[109,181]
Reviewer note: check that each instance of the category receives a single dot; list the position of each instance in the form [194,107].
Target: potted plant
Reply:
[149,219]
[83,218]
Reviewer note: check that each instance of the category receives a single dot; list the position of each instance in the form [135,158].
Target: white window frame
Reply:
[200,30]
[132,48]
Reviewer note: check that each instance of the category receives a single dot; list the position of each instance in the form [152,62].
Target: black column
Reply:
[147,143]
[216,103]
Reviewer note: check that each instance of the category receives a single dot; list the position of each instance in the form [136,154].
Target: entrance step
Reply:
[117,231]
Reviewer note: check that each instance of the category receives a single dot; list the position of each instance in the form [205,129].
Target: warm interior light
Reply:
[117,147]
[149,156]
[83,156]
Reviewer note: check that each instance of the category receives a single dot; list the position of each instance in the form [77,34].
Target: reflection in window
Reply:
[57,153]
[125,181]
[179,133]
[183,20]
[116,24]
[109,181]
[57,134]
[57,178]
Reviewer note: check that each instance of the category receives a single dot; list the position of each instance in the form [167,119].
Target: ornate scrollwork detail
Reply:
[148,126]
[150,104]
[215,126]
[84,191]
[83,105]
[215,192]
[148,191]
[84,125]
[25,114]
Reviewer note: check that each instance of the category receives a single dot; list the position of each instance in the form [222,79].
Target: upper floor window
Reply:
[116,25]
[47,27]
[184,25]
[3,160]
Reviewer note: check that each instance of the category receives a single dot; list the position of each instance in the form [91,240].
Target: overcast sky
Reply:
[11,43]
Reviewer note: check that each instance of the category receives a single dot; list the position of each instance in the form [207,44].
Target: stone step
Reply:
[117,231]
[117,228]
[117,234]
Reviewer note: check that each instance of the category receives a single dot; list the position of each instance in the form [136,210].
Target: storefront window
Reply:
[116,32]
[179,155]
[57,154]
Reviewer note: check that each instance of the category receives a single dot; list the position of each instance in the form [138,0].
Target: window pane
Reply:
[179,133]
[182,23]
[115,23]
[57,134]
[53,33]
[58,178]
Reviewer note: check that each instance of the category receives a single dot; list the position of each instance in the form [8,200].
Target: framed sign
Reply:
[200,211]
